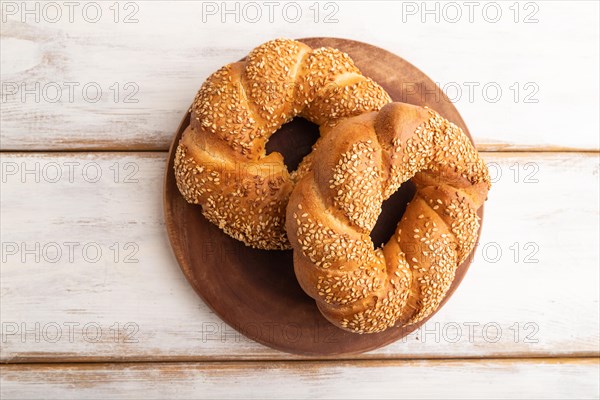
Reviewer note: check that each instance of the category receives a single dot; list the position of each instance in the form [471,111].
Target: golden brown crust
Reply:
[332,210]
[221,161]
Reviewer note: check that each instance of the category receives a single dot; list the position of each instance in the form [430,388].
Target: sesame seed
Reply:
[372,292]
[359,287]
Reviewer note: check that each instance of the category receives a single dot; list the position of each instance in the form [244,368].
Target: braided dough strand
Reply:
[334,207]
[221,161]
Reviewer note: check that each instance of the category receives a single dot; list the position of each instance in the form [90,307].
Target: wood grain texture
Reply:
[536,298]
[534,110]
[532,379]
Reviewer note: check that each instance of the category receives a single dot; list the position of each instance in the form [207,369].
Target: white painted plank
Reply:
[531,379]
[542,301]
[546,70]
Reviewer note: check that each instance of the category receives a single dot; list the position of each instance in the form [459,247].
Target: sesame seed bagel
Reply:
[334,207]
[221,161]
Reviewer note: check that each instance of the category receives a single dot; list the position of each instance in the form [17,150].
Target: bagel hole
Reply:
[392,211]
[294,141]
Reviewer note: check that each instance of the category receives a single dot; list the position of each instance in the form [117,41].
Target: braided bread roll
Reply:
[334,207]
[221,161]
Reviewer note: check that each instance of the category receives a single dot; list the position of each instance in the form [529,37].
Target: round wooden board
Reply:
[255,291]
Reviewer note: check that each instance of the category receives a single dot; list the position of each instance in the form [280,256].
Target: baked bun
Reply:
[221,161]
[334,207]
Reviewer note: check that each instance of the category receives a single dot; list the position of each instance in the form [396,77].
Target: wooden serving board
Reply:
[255,291]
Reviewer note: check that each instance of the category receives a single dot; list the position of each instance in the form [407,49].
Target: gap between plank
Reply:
[160,151]
[358,358]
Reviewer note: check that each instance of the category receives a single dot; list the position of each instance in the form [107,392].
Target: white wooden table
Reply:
[93,303]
